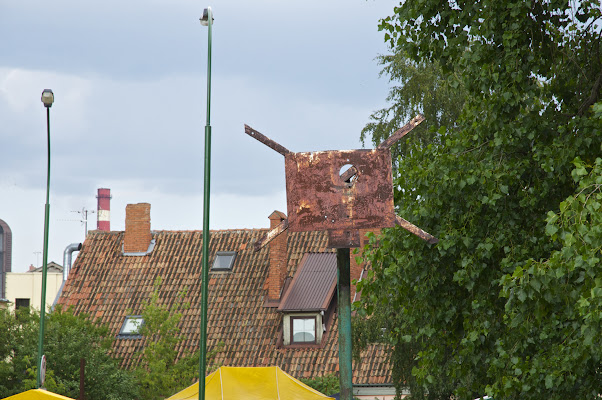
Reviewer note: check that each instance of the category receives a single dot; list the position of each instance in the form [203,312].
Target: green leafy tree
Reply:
[18,342]
[71,338]
[328,384]
[162,370]
[554,307]
[68,338]
[532,72]
[419,87]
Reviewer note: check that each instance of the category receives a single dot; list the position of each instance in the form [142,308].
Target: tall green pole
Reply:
[344,300]
[205,259]
[45,258]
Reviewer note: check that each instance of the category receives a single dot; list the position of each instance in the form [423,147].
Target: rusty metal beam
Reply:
[271,235]
[350,173]
[408,226]
[401,132]
[266,140]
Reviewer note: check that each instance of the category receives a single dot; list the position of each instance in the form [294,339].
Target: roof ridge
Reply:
[188,230]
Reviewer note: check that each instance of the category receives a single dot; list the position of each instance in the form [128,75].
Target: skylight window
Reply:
[131,326]
[224,260]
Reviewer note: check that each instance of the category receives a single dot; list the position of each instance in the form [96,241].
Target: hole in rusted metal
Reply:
[348,174]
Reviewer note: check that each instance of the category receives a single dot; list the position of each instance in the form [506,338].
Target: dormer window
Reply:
[224,260]
[308,304]
[303,330]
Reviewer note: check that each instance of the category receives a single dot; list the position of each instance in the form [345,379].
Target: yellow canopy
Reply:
[37,394]
[250,383]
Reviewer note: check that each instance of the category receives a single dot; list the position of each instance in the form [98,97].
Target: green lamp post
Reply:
[206,20]
[47,99]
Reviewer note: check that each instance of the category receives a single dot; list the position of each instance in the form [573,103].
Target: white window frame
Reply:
[287,327]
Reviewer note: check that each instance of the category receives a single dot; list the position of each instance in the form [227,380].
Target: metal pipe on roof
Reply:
[67,258]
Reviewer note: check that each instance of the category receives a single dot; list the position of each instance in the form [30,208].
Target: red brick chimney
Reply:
[277,270]
[103,211]
[137,228]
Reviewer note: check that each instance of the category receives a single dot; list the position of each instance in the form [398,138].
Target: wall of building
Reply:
[376,393]
[28,285]
[5,255]
[375,397]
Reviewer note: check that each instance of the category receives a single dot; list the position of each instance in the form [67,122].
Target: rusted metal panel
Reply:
[344,239]
[401,132]
[318,198]
[266,140]
[408,226]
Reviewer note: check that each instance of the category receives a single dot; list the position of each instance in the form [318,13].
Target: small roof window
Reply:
[131,327]
[224,260]
[303,330]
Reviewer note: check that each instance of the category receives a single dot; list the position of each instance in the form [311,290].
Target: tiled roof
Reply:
[108,286]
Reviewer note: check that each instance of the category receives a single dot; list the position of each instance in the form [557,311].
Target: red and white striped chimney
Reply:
[104,210]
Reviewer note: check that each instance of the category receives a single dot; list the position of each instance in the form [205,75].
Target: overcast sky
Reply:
[129,79]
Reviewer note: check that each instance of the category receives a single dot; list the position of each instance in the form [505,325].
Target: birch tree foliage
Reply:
[461,314]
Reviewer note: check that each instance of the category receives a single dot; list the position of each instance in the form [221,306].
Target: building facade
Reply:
[6,238]
[24,289]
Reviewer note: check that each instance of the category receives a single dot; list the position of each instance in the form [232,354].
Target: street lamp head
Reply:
[47,98]
[205,18]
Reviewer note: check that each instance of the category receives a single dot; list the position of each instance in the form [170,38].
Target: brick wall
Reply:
[278,258]
[137,228]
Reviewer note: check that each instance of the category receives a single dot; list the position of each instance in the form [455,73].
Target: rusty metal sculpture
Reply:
[323,196]
[341,192]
